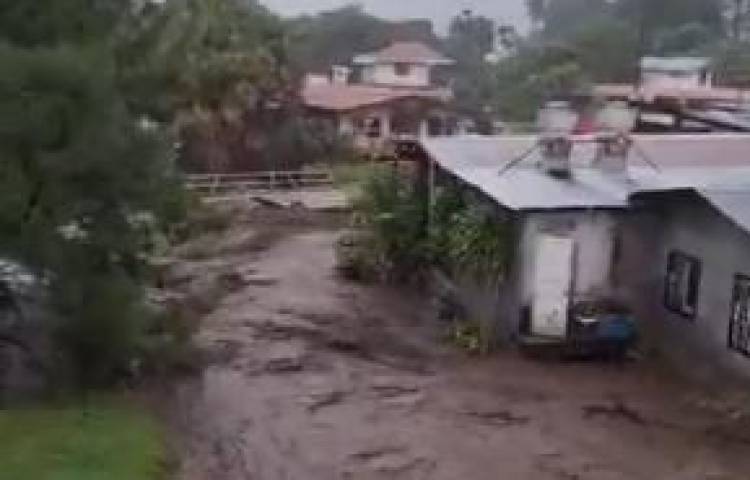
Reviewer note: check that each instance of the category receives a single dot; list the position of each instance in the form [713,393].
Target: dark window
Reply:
[435,127]
[403,69]
[616,257]
[373,127]
[739,326]
[682,284]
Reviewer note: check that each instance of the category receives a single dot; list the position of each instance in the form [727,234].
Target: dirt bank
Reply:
[312,377]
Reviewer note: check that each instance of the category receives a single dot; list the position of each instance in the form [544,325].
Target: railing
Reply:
[232,183]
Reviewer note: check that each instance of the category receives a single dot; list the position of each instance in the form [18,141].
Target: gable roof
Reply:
[347,97]
[734,204]
[404,52]
[712,164]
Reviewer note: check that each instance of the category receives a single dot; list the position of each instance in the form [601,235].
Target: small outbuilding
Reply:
[662,227]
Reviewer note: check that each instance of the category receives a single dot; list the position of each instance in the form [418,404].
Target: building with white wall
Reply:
[396,96]
[663,229]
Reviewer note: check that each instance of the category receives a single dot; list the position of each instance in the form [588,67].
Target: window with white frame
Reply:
[739,323]
[682,284]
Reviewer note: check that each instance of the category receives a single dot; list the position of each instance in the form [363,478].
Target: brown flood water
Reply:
[315,378]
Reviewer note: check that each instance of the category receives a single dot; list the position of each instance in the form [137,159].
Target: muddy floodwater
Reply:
[311,377]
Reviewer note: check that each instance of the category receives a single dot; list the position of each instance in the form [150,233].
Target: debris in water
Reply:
[502,418]
[617,410]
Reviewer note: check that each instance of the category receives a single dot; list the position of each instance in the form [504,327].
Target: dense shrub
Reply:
[393,211]
[405,236]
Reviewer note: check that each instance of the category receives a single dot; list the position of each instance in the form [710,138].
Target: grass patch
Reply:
[350,177]
[106,441]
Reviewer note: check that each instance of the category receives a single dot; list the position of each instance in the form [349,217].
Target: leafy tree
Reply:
[470,37]
[523,82]
[79,177]
[655,16]
[683,40]
[83,181]
[49,22]
[737,12]
[214,69]
[563,17]
[537,10]
[732,64]
[205,55]
[606,50]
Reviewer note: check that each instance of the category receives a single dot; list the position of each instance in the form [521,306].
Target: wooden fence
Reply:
[234,183]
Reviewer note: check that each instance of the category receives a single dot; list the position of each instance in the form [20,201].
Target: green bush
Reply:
[479,244]
[467,336]
[356,257]
[394,211]
[104,323]
[405,236]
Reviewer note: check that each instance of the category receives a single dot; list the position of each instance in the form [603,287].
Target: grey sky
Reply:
[439,11]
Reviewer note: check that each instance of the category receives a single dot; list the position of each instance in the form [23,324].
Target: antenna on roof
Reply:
[645,157]
[519,159]
[556,121]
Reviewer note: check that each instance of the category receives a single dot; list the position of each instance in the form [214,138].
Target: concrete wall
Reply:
[624,255]
[687,223]
[385,74]
[593,232]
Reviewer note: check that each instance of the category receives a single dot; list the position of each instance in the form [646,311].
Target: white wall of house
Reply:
[662,79]
[387,74]
[593,233]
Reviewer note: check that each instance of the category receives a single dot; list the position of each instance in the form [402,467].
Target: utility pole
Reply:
[642,40]
[740,7]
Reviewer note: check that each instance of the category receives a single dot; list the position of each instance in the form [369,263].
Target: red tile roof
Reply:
[405,52]
[341,98]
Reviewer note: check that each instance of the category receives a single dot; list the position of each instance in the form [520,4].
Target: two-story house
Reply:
[391,93]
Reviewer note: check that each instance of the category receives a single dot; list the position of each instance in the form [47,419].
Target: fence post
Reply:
[215,184]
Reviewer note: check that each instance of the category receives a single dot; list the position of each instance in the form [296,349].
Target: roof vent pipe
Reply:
[556,121]
[616,120]
[612,153]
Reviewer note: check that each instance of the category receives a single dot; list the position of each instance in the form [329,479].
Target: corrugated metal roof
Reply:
[479,161]
[711,163]
[734,204]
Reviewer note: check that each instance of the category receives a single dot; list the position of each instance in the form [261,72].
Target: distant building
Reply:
[397,95]
[402,64]
[677,94]
[676,72]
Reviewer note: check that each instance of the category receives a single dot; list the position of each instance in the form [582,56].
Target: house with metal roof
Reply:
[660,224]
[678,94]
[389,93]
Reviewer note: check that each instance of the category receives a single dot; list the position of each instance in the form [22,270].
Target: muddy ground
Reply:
[312,377]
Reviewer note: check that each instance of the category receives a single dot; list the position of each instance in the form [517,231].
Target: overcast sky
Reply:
[439,11]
